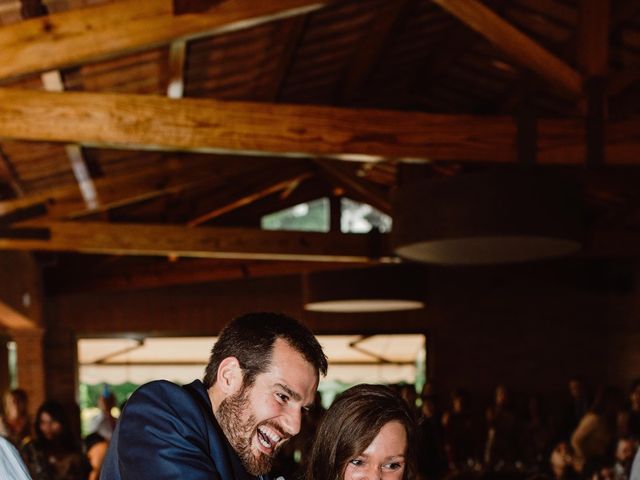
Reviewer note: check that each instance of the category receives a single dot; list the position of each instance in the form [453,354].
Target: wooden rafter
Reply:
[82,35]
[242,195]
[154,122]
[204,242]
[519,47]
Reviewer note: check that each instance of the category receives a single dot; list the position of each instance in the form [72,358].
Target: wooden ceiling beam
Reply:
[203,242]
[94,33]
[518,46]
[144,121]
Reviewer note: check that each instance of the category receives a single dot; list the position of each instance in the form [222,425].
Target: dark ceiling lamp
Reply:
[488,218]
[383,288]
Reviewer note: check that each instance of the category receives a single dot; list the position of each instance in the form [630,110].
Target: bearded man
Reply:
[262,375]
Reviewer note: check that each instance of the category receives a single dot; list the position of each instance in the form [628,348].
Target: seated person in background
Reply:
[104,423]
[368,433]
[11,465]
[54,454]
[15,424]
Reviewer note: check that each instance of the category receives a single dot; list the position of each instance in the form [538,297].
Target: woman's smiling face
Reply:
[383,459]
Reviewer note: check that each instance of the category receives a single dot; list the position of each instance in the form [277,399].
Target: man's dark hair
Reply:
[250,339]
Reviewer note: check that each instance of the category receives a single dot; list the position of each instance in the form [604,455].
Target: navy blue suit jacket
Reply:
[169,432]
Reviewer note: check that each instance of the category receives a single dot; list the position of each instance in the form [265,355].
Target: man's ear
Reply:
[229,376]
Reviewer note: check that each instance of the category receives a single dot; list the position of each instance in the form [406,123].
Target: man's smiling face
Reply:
[258,420]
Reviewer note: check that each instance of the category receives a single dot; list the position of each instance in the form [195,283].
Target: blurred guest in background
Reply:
[15,424]
[54,454]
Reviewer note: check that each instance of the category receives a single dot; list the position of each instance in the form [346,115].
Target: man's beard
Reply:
[240,433]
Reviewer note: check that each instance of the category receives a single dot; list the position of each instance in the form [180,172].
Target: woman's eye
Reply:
[356,462]
[393,466]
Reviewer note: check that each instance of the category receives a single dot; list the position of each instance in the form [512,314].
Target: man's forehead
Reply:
[291,369]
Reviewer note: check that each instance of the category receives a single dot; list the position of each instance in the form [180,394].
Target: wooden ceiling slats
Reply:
[560,13]
[518,46]
[70,38]
[545,31]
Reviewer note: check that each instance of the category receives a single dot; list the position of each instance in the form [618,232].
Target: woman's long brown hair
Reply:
[351,424]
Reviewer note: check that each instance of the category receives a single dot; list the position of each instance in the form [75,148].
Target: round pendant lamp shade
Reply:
[385,288]
[488,218]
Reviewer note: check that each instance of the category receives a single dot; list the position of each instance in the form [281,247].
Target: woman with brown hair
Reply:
[15,423]
[368,433]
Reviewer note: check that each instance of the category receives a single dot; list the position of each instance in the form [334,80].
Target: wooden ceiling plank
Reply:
[371,194]
[292,31]
[134,121]
[94,33]
[203,242]
[518,46]
[377,35]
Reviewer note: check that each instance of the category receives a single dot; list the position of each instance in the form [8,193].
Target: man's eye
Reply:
[282,397]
